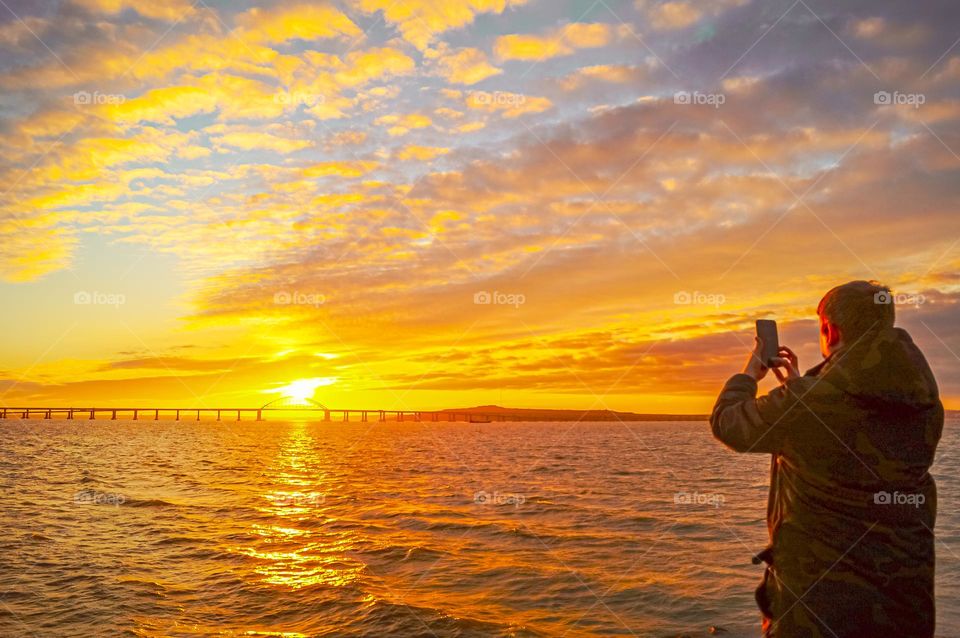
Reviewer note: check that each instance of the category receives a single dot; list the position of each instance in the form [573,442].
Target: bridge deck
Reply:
[258,414]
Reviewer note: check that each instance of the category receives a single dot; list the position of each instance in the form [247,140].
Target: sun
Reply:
[303,389]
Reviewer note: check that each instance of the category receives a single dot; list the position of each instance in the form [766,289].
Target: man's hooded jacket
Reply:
[852,504]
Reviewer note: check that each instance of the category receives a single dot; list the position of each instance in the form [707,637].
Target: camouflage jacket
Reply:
[852,505]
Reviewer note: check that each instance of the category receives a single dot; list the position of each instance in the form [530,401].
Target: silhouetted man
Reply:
[852,505]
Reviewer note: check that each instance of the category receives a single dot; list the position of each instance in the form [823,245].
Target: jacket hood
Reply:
[884,367]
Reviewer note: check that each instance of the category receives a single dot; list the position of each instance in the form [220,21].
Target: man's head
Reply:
[850,310]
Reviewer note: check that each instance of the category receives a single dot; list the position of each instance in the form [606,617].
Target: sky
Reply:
[419,204]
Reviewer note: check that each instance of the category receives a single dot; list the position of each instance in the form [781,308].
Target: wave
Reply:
[146,502]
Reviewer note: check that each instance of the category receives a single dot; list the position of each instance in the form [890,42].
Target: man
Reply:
[852,505]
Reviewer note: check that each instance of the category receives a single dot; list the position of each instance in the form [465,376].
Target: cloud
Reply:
[470,127]
[296,22]
[465,66]
[244,49]
[559,42]
[421,153]
[172,10]
[511,105]
[610,73]
[402,124]
[20,33]
[348,138]
[360,67]
[448,113]
[421,21]
[164,105]
[672,15]
[29,253]
[256,140]
[343,169]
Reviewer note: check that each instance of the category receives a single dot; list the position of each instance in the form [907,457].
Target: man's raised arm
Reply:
[746,424]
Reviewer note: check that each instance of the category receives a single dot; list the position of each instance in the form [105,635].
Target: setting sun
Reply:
[303,389]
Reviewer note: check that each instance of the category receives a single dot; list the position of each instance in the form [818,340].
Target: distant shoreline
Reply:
[538,414]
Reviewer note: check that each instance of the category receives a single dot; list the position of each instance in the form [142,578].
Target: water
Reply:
[406,529]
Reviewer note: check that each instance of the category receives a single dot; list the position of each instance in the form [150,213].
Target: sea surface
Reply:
[293,529]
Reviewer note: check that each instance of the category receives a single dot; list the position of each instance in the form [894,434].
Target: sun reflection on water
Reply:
[298,550]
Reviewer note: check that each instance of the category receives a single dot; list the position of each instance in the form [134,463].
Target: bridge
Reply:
[280,407]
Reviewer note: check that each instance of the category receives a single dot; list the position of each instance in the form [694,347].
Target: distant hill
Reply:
[536,414]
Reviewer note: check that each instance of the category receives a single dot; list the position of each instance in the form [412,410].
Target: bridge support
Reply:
[346,415]
[218,415]
[238,415]
[93,411]
[326,415]
[363,416]
[156,415]
[69,414]
[178,415]
[259,415]
[383,416]
[135,414]
[198,415]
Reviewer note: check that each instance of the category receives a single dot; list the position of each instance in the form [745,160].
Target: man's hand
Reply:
[755,367]
[787,360]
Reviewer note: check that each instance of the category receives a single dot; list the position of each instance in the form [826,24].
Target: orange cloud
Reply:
[509,104]
[421,153]
[613,73]
[465,66]
[30,253]
[360,67]
[296,22]
[670,15]
[562,41]
[343,169]
[256,140]
[160,9]
[402,124]
[420,21]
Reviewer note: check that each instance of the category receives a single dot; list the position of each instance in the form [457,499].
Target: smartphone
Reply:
[767,331]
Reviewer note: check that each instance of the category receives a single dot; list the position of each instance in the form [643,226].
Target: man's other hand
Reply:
[790,364]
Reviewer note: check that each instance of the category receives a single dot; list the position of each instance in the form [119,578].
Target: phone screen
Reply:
[767,331]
